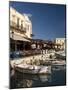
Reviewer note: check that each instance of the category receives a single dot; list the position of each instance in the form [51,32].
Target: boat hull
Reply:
[39,70]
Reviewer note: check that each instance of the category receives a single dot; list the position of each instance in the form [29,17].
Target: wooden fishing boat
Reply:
[33,69]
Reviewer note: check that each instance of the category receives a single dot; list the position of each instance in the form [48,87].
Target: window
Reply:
[18,22]
[22,24]
[28,27]
[13,20]
[13,17]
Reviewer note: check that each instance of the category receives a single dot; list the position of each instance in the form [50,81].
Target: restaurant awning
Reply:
[18,37]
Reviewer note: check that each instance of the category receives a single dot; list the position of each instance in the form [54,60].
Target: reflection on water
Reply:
[45,78]
[25,83]
[57,77]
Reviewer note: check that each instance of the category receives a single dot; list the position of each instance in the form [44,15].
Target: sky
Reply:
[48,20]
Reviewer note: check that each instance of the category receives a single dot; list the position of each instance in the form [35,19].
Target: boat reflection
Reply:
[28,80]
[58,67]
[25,83]
[22,80]
[45,78]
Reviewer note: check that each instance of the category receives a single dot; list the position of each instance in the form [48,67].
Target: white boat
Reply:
[59,62]
[33,69]
[61,54]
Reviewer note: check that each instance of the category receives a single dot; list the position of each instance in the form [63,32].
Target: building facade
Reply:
[20,30]
[60,43]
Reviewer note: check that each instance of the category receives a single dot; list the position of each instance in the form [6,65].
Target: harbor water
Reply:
[56,78]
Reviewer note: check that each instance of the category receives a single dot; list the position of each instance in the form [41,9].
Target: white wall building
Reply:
[61,42]
[21,23]
[20,29]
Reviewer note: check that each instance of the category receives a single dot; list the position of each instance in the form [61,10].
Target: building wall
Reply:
[60,41]
[23,19]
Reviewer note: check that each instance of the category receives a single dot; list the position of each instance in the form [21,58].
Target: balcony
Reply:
[17,27]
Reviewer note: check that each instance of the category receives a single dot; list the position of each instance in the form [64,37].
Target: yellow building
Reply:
[60,42]
[20,30]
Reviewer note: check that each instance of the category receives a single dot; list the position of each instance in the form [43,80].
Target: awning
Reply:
[18,37]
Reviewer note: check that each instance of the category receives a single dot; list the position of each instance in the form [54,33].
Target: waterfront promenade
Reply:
[40,59]
[31,59]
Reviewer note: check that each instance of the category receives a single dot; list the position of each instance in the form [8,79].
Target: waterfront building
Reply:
[60,43]
[21,36]
[20,30]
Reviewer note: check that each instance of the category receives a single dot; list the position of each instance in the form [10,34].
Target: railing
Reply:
[18,27]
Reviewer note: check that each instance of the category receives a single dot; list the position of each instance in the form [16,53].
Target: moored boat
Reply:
[33,69]
[61,55]
[59,62]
